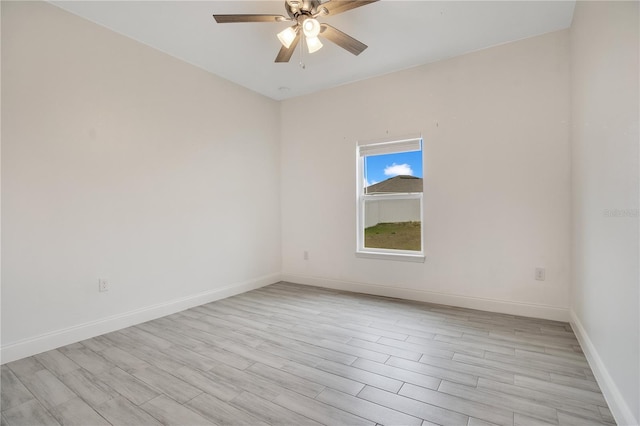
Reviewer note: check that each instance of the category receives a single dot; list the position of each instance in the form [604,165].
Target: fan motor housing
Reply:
[296,8]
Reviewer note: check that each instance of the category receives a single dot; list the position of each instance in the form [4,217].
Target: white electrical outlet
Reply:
[305,255]
[103,285]
[540,274]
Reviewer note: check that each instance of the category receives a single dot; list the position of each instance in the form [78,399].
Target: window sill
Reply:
[418,258]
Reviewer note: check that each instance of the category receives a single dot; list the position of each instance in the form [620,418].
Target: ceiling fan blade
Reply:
[341,39]
[338,6]
[285,54]
[229,19]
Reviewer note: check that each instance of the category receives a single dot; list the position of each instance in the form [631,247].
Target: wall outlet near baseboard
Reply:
[103,285]
[305,255]
[540,274]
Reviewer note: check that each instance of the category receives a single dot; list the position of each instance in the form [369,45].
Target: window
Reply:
[390,199]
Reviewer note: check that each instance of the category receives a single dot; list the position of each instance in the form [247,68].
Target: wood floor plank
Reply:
[586,384]
[333,381]
[553,359]
[581,408]
[119,411]
[287,380]
[97,344]
[361,376]
[331,345]
[170,413]
[319,411]
[222,413]
[151,356]
[398,373]
[289,354]
[366,409]
[191,358]
[524,420]
[270,412]
[413,407]
[168,384]
[87,359]
[317,351]
[434,371]
[606,415]
[246,381]
[493,414]
[25,366]
[391,350]
[494,343]
[145,338]
[567,419]
[76,412]
[249,355]
[222,390]
[171,330]
[571,392]
[472,342]
[124,359]
[536,364]
[56,362]
[29,413]
[502,366]
[404,330]
[47,388]
[219,332]
[517,404]
[85,385]
[128,386]
[13,391]
[477,422]
[424,347]
[474,370]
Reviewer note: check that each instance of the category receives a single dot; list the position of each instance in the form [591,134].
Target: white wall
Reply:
[604,143]
[496,188]
[123,163]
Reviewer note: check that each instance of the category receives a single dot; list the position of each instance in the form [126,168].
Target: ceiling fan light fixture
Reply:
[303,14]
[313,44]
[311,27]
[287,36]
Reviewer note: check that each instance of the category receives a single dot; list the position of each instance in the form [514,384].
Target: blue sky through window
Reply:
[378,168]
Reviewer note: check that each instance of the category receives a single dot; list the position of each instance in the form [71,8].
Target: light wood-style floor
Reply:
[295,355]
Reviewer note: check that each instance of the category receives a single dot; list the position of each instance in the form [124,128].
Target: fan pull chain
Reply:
[301,63]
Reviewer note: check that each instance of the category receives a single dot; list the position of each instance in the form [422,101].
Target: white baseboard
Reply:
[58,338]
[619,408]
[492,305]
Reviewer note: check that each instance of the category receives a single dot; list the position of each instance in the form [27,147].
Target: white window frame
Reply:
[385,146]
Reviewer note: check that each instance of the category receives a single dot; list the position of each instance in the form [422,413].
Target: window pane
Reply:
[393,224]
[393,173]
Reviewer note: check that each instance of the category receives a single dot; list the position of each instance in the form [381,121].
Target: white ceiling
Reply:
[400,34]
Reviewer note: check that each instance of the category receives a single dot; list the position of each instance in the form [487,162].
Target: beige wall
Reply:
[123,163]
[604,144]
[496,187]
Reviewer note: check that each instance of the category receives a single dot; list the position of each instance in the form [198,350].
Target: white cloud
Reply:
[398,169]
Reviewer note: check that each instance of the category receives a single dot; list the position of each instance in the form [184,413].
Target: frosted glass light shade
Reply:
[313,44]
[287,36]
[311,27]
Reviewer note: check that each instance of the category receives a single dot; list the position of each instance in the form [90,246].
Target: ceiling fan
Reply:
[304,13]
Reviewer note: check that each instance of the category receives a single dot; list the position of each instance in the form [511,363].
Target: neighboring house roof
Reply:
[402,183]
